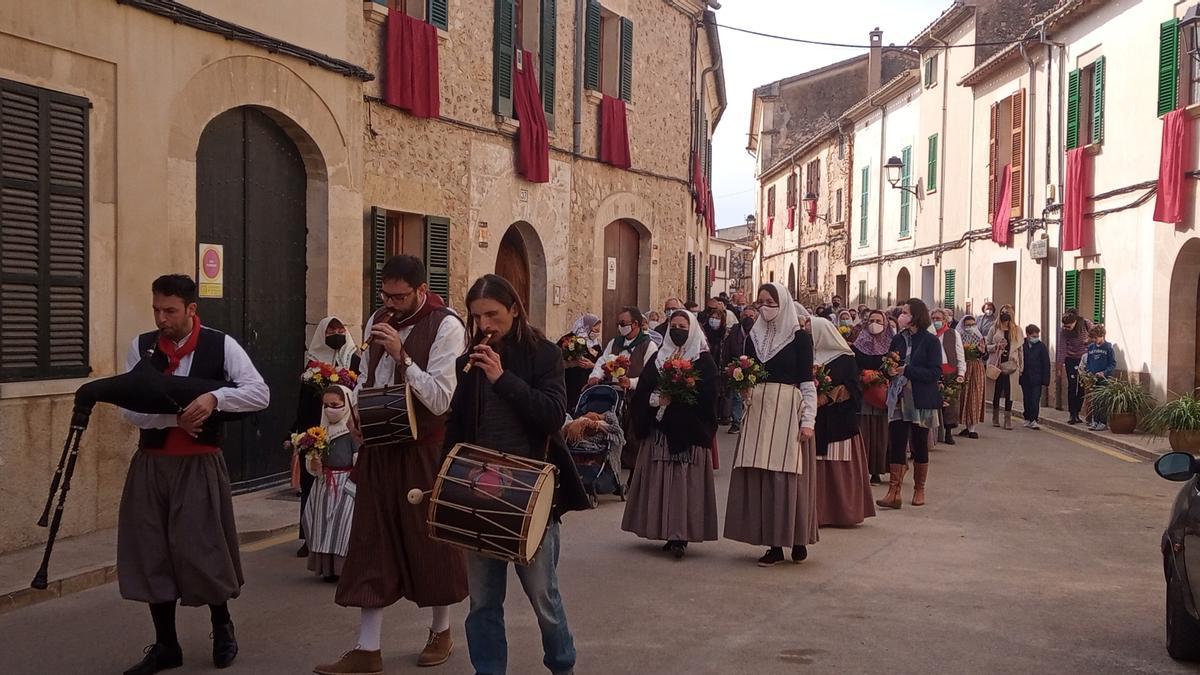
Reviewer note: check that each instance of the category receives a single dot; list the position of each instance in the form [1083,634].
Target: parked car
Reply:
[1181,556]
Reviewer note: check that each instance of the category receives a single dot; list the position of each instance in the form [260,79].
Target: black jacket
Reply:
[839,421]
[922,367]
[1035,365]
[684,425]
[533,384]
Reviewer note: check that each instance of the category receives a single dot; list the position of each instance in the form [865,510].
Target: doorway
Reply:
[512,263]
[251,199]
[903,285]
[792,279]
[928,283]
[622,257]
[1004,285]
[1183,329]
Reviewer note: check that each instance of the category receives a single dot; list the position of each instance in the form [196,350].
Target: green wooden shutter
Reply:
[1098,101]
[948,297]
[549,57]
[1071,290]
[931,180]
[439,13]
[1098,296]
[437,255]
[862,292]
[864,204]
[591,41]
[626,59]
[378,254]
[1073,110]
[1168,66]
[708,161]
[503,50]
[691,277]
[905,196]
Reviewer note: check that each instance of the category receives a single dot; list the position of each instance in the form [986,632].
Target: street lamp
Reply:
[810,207]
[751,221]
[1191,24]
[895,169]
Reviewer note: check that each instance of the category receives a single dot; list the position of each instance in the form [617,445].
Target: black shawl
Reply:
[839,421]
[684,424]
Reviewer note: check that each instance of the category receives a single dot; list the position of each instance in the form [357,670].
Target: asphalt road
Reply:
[1035,554]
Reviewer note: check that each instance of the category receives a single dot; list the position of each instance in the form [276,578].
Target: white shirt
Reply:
[250,392]
[609,355]
[435,385]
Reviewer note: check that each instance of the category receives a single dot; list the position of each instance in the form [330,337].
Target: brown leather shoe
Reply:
[920,473]
[893,500]
[354,662]
[437,649]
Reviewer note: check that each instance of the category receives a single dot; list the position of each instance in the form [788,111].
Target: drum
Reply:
[386,415]
[495,504]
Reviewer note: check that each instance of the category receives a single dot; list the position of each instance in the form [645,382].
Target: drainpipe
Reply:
[577,118]
[1029,178]
[880,180]
[942,150]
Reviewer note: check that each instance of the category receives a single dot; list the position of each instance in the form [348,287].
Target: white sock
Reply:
[441,619]
[370,628]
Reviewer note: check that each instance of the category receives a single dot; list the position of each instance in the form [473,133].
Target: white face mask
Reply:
[875,329]
[714,323]
[769,313]
[624,330]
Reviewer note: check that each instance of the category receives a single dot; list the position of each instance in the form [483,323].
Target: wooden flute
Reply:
[484,341]
[388,315]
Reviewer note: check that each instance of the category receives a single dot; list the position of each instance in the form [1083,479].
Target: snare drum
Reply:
[495,504]
[386,415]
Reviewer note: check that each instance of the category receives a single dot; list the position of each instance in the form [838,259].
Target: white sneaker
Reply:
[1027,424]
[1101,427]
[1091,426]
[1034,425]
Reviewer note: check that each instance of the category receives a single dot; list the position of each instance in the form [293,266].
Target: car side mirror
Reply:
[1176,466]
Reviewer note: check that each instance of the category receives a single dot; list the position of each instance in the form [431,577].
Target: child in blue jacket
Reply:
[1101,361]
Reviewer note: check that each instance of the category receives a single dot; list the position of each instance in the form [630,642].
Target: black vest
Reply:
[208,362]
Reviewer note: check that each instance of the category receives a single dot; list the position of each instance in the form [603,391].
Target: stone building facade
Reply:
[258,126]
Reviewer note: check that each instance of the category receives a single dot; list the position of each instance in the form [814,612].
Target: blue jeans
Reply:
[488,580]
[739,408]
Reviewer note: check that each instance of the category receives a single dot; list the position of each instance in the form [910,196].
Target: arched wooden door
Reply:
[792,279]
[622,246]
[512,263]
[251,199]
[903,285]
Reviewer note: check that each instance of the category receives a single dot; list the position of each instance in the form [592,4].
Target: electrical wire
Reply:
[821,43]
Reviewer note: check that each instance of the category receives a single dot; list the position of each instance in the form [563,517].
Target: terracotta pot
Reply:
[876,396]
[1185,440]
[1122,423]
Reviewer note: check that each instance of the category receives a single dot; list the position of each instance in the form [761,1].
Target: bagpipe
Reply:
[144,389]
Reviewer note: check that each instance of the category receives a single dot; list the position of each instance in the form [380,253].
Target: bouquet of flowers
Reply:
[310,444]
[949,386]
[875,386]
[677,379]
[974,351]
[845,331]
[573,348]
[743,373]
[822,379]
[616,368]
[320,375]
[1086,380]
[891,361]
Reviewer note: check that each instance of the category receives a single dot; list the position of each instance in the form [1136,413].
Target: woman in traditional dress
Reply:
[954,365]
[578,370]
[971,397]
[913,401]
[771,498]
[633,341]
[843,492]
[672,496]
[330,509]
[331,342]
[873,343]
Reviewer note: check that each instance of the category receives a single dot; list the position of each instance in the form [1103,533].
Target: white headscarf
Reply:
[828,343]
[802,314]
[319,351]
[770,337]
[583,328]
[337,424]
[690,350]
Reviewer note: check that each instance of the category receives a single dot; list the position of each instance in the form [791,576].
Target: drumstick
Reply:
[484,341]
[417,495]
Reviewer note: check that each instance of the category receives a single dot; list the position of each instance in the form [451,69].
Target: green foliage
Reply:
[1120,396]
[1181,414]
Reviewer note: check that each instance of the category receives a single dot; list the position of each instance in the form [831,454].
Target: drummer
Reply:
[513,400]
[390,555]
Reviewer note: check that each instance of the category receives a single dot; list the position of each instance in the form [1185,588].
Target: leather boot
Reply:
[920,473]
[995,416]
[892,499]
[1008,420]
[437,649]
[356,662]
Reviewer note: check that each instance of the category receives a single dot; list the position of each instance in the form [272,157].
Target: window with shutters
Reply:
[608,52]
[1085,291]
[863,204]
[43,234]
[691,277]
[837,206]
[525,26]
[771,202]
[931,167]
[905,195]
[812,182]
[1071,290]
[812,274]
[862,292]
[791,189]
[401,233]
[1085,105]
[721,264]
[949,294]
[931,71]
[436,12]
[841,146]
[1168,66]
[1006,146]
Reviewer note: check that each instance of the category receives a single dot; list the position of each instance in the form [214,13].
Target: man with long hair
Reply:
[513,400]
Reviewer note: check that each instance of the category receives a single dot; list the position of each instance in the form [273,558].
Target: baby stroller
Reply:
[598,455]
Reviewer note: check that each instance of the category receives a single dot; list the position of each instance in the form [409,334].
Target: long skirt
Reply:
[873,429]
[391,555]
[672,499]
[176,536]
[328,516]
[970,397]
[774,508]
[843,488]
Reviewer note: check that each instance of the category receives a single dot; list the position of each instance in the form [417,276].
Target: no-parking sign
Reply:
[211,260]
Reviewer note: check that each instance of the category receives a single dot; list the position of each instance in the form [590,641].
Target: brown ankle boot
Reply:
[354,662]
[892,499]
[995,416]
[920,473]
[1008,420]
[437,649]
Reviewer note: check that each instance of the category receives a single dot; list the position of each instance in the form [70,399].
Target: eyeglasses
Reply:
[397,297]
[624,324]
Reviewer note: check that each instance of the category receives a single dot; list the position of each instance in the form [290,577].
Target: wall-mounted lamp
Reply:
[810,207]
[1191,24]
[895,170]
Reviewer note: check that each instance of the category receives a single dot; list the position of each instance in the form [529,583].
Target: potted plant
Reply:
[1121,401]
[1180,420]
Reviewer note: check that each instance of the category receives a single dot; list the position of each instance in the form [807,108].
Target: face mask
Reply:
[903,320]
[624,330]
[1035,339]
[714,323]
[769,313]
[970,327]
[847,322]
[335,341]
[989,312]
[937,325]
[875,329]
[1005,317]
[747,323]
[679,336]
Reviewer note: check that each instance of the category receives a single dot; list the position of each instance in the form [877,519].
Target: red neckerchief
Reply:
[433,301]
[175,353]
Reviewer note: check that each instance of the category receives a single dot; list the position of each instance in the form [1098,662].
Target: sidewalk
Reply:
[1137,444]
[89,560]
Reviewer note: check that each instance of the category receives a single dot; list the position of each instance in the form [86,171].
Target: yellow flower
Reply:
[333,378]
[753,379]
[737,375]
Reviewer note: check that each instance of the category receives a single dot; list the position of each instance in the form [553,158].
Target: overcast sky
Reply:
[750,61]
